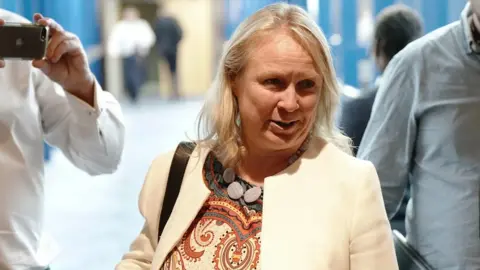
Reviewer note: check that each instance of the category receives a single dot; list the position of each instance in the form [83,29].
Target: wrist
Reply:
[85,90]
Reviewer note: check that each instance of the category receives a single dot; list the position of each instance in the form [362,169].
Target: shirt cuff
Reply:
[82,109]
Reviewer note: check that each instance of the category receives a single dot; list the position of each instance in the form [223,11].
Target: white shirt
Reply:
[129,37]
[33,108]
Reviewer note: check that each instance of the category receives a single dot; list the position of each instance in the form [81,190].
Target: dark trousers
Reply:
[134,75]
[171,59]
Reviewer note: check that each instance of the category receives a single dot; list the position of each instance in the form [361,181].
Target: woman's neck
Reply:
[254,167]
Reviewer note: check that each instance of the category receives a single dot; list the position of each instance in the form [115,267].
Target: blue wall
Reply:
[455,7]
[80,17]
[301,3]
[435,13]
[235,15]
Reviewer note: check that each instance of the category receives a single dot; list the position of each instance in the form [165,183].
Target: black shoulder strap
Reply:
[174,182]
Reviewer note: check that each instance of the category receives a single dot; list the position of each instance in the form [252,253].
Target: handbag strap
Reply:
[174,182]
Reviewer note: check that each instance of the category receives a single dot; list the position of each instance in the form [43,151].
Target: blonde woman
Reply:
[272,184]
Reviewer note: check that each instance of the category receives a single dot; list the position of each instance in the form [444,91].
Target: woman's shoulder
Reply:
[328,153]
[346,160]
[337,165]
[343,174]
[157,175]
[164,160]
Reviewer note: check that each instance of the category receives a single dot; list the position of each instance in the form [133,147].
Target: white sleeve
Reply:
[92,138]
[113,41]
[147,37]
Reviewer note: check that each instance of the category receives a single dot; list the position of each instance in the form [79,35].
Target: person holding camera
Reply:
[57,99]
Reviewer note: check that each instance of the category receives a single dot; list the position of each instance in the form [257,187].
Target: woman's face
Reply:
[277,94]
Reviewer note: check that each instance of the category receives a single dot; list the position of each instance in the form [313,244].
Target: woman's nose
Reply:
[289,100]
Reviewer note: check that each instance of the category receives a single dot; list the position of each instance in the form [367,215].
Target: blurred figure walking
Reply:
[169,34]
[131,39]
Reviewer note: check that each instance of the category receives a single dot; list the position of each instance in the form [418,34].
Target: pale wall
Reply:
[197,50]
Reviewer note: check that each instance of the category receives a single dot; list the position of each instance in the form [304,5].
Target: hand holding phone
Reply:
[59,54]
[66,62]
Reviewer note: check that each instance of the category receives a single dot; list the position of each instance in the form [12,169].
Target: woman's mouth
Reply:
[284,124]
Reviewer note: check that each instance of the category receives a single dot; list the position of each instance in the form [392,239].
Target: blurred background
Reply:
[94,220]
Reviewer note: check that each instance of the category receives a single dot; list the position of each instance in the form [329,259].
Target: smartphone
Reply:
[23,41]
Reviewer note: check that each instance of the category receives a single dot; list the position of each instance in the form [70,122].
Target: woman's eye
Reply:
[273,82]
[306,84]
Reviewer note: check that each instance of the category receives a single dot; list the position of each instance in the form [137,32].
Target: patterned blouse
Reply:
[225,235]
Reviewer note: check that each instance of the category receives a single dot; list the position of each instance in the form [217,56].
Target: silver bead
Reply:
[252,194]
[228,175]
[235,190]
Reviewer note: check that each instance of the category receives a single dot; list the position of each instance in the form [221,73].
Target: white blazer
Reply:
[338,215]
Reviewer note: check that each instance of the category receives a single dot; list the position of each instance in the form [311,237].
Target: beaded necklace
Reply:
[237,191]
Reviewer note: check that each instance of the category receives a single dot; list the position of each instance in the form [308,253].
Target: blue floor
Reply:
[95,219]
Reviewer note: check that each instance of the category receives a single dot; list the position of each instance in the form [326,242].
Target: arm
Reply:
[114,40]
[389,139]
[90,137]
[148,37]
[142,249]
[76,114]
[371,242]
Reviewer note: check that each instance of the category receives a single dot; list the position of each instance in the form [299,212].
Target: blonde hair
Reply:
[216,123]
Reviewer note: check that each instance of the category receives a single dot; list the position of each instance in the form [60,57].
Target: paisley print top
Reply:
[225,235]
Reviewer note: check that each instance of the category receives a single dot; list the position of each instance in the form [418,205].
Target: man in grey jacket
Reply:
[424,130]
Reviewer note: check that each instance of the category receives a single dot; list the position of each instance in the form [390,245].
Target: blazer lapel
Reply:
[287,220]
[191,198]
[282,234]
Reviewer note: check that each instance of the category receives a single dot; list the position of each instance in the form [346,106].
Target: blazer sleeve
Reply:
[371,241]
[142,249]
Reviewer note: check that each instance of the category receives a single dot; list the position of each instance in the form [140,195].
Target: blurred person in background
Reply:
[57,99]
[424,131]
[132,39]
[272,183]
[395,27]
[169,34]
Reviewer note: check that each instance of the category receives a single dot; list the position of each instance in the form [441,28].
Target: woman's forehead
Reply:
[277,50]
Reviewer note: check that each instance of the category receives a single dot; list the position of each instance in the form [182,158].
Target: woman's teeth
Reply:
[284,124]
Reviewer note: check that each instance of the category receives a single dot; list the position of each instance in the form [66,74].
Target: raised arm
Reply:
[77,115]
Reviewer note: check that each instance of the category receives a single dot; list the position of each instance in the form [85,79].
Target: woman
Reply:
[272,185]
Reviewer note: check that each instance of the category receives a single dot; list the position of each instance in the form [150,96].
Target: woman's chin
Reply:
[281,141]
